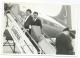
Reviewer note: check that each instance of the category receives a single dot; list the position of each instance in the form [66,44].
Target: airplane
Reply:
[50,25]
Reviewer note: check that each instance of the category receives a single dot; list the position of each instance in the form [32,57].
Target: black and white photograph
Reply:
[39,29]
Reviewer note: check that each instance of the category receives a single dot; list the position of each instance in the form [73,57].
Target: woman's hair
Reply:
[66,29]
[71,33]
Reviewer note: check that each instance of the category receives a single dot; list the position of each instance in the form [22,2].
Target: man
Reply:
[63,43]
[37,21]
[36,31]
[28,20]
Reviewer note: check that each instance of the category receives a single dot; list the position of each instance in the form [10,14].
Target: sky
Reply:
[44,8]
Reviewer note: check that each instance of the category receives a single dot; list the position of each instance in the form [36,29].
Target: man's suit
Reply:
[28,22]
[37,23]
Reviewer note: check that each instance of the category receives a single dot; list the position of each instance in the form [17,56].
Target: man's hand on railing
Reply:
[25,30]
[29,26]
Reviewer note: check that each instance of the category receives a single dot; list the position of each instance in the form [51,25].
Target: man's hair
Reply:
[29,10]
[66,29]
[35,13]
